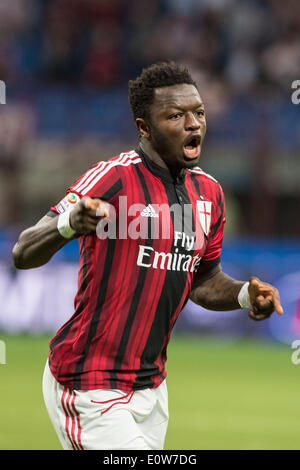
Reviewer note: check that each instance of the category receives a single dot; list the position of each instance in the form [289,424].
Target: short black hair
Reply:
[161,74]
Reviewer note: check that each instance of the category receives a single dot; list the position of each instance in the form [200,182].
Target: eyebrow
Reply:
[177,106]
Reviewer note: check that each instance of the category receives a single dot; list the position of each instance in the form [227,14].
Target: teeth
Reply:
[191,152]
[192,148]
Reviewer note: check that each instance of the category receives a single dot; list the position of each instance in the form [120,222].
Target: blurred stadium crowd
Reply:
[239,46]
[66,64]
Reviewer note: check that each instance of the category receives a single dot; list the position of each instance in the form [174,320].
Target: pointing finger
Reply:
[277,304]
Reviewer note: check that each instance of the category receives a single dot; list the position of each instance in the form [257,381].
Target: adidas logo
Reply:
[149,212]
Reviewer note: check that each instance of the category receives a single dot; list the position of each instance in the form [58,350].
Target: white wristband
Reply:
[63,225]
[243,297]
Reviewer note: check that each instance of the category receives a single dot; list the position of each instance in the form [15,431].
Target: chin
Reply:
[190,163]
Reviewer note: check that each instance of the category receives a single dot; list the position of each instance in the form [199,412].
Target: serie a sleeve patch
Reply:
[67,203]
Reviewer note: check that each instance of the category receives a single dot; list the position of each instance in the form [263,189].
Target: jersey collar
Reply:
[158,171]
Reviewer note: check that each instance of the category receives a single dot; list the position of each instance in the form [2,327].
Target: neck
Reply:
[148,149]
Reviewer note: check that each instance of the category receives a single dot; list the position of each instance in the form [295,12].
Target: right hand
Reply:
[264,299]
[86,215]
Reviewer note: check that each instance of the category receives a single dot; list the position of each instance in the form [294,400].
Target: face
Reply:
[177,125]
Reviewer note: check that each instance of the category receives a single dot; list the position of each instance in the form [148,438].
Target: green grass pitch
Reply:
[242,395]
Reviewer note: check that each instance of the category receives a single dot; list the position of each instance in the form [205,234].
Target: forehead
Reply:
[182,96]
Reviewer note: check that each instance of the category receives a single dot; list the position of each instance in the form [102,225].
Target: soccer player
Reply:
[150,225]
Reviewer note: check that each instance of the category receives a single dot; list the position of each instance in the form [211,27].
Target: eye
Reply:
[201,112]
[175,116]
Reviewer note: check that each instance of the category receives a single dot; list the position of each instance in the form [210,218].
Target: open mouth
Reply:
[192,147]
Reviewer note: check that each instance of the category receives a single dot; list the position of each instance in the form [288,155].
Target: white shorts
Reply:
[107,419]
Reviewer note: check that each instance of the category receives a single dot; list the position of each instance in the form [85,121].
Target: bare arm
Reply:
[215,290]
[37,244]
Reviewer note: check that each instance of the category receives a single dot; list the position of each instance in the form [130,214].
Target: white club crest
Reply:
[204,211]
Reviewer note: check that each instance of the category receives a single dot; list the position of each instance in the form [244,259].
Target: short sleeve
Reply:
[101,181]
[216,233]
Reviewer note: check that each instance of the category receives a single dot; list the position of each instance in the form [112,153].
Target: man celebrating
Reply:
[104,382]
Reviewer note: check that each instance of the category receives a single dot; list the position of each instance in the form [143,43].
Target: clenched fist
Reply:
[86,215]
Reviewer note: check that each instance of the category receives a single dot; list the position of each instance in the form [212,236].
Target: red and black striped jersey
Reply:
[136,272]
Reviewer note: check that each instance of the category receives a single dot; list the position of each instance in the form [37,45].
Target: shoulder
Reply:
[122,161]
[202,175]
[106,171]
[104,174]
[119,162]
[206,182]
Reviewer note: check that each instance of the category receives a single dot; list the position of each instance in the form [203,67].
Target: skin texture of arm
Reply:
[215,290]
[37,244]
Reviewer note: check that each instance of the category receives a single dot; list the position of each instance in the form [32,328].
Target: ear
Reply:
[143,127]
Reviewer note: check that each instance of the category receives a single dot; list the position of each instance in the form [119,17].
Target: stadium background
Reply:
[66,65]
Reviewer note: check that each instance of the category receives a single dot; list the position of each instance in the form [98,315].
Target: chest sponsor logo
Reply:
[149,258]
[182,258]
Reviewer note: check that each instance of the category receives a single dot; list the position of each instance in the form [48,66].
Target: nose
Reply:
[191,122]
